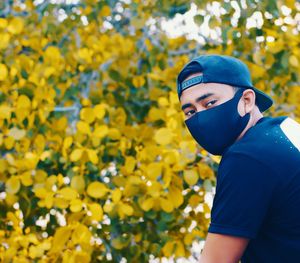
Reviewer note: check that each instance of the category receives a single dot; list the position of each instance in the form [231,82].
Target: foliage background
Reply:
[97,164]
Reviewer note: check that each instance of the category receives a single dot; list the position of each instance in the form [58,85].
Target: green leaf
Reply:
[199,19]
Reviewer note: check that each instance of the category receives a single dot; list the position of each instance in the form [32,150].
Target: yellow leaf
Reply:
[60,238]
[12,217]
[148,204]
[36,251]
[163,102]
[206,208]
[257,58]
[97,212]
[216,158]
[108,207]
[83,127]
[105,11]
[31,160]
[191,177]
[188,239]
[166,205]
[256,70]
[290,3]
[179,251]
[11,199]
[67,142]
[3,72]
[175,195]
[163,136]
[52,55]
[23,102]
[117,243]
[3,23]
[5,111]
[16,25]
[40,192]
[99,111]
[13,185]
[93,157]
[126,209]
[16,133]
[114,134]
[87,115]
[130,163]
[76,155]
[45,155]
[5,40]
[75,205]
[40,143]
[67,193]
[3,164]
[84,55]
[138,237]
[155,189]
[78,183]
[293,60]
[155,114]
[82,235]
[97,190]
[50,182]
[167,177]
[9,142]
[100,131]
[116,195]
[13,71]
[171,157]
[154,170]
[26,178]
[148,44]
[49,71]
[59,202]
[195,200]
[138,81]
[168,248]
[79,256]
[40,176]
[205,171]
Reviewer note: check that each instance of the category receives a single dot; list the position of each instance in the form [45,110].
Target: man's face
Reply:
[204,96]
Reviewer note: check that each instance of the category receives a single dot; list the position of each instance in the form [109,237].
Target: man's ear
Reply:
[247,103]
[249,100]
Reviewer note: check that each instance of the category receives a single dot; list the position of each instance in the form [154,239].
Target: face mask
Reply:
[217,128]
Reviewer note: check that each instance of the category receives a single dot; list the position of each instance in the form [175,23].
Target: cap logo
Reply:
[191,82]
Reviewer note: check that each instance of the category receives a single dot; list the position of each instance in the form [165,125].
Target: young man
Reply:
[256,209]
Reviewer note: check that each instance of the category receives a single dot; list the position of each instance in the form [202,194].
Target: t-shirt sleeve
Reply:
[243,196]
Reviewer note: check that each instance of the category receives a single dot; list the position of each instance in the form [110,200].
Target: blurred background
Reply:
[97,164]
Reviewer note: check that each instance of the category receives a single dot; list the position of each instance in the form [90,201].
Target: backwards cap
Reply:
[220,69]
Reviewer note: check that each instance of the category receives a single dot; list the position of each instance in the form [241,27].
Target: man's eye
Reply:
[189,113]
[210,103]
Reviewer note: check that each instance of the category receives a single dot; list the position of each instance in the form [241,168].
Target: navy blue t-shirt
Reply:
[258,192]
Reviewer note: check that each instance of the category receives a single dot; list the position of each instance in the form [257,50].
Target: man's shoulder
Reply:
[260,138]
[273,142]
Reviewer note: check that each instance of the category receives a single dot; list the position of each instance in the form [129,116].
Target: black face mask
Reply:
[217,128]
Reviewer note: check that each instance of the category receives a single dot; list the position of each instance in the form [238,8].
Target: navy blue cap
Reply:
[220,69]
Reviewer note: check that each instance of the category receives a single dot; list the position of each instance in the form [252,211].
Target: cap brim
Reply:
[264,102]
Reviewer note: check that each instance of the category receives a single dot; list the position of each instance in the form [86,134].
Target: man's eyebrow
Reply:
[197,100]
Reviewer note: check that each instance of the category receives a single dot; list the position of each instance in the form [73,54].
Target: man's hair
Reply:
[194,68]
